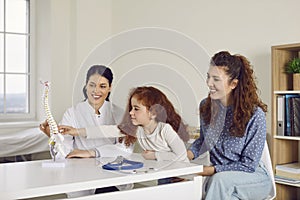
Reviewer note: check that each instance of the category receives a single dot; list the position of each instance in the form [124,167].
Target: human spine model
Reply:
[56,139]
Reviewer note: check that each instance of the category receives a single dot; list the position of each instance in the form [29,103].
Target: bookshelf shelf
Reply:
[287,92]
[285,149]
[287,137]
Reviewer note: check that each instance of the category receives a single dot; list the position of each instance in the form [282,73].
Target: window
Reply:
[15,66]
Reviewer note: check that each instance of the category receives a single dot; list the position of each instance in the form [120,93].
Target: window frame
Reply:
[30,73]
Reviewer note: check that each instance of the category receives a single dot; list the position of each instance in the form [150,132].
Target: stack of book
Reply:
[288,115]
[288,172]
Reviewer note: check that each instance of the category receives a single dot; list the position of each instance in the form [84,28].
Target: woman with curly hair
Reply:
[150,119]
[233,131]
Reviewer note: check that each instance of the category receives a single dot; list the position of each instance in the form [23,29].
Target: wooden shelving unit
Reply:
[284,149]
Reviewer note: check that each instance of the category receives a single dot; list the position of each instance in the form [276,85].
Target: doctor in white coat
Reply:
[95,110]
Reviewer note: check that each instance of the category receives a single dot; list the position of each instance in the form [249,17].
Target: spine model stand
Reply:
[56,139]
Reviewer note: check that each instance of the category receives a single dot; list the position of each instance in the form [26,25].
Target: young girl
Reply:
[152,120]
[233,130]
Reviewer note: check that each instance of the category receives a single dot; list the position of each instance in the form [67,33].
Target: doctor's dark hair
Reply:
[102,71]
[245,98]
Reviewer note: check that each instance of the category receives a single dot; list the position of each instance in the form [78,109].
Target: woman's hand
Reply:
[149,155]
[190,155]
[69,130]
[208,171]
[78,153]
[44,127]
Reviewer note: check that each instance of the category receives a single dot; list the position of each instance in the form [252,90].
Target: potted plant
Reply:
[293,67]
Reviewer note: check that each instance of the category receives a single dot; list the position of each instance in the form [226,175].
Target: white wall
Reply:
[53,53]
[78,27]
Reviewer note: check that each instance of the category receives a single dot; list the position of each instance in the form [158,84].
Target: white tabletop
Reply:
[30,179]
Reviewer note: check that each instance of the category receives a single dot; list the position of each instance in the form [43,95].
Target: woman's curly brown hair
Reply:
[244,97]
[158,104]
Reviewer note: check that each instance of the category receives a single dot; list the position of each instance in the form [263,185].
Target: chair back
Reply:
[266,159]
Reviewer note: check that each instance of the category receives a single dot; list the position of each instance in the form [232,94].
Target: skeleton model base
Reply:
[52,164]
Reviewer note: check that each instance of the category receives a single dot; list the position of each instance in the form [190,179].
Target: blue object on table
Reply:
[122,163]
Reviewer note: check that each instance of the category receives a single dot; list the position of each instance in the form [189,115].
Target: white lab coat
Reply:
[83,115]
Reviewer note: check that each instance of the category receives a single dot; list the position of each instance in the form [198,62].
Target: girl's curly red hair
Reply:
[157,103]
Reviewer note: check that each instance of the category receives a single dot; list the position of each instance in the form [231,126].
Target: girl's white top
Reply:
[164,140]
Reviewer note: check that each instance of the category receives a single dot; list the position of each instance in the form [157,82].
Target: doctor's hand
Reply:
[69,130]
[45,128]
[78,153]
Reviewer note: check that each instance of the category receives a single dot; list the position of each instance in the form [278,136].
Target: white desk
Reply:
[30,179]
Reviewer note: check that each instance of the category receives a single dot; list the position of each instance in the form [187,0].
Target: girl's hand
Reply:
[69,130]
[149,155]
[78,153]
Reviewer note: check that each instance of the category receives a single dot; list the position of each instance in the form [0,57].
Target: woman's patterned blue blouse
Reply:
[229,153]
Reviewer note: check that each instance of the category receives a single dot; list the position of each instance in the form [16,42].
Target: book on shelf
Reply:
[287,180]
[295,115]
[292,104]
[289,170]
[288,115]
[280,115]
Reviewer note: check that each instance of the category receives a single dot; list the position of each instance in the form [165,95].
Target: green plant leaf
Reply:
[293,66]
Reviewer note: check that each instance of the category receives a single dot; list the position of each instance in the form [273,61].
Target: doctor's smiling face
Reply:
[97,90]
[97,86]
